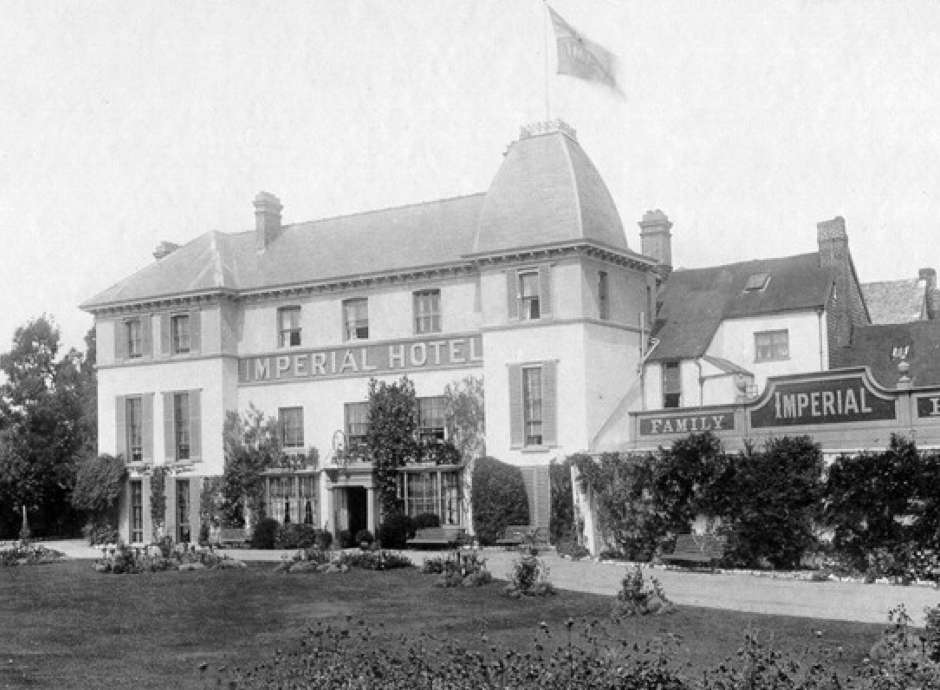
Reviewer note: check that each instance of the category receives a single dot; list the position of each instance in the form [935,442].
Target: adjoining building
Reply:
[530,285]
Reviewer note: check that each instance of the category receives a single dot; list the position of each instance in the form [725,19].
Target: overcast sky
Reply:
[126,123]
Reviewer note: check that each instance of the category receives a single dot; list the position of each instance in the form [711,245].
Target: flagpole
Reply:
[545,31]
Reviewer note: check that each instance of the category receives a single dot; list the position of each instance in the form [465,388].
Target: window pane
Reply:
[431,417]
[182,510]
[357,424]
[179,331]
[137,511]
[288,324]
[770,345]
[292,426]
[134,345]
[181,424]
[356,319]
[529,295]
[134,419]
[427,306]
[532,405]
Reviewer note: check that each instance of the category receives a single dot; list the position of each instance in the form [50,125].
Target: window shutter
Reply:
[515,406]
[549,406]
[512,295]
[545,290]
[195,431]
[164,334]
[169,443]
[195,331]
[146,335]
[147,426]
[120,424]
[120,340]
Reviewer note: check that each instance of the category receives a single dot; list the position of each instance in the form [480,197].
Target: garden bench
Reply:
[232,536]
[704,549]
[517,535]
[438,536]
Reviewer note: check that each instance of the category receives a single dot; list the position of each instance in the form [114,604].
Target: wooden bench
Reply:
[704,549]
[438,536]
[517,535]
[232,536]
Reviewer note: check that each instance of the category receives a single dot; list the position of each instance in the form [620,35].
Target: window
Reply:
[357,425]
[427,308]
[292,426]
[431,418]
[136,517]
[757,282]
[529,295]
[771,345]
[179,333]
[356,319]
[288,326]
[181,425]
[603,297]
[182,510]
[133,416]
[292,498]
[133,334]
[431,491]
[672,384]
[532,405]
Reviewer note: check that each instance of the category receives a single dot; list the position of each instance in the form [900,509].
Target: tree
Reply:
[252,444]
[393,425]
[44,427]
[465,417]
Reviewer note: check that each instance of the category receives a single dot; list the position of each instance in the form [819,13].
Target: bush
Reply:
[424,520]
[529,577]
[572,549]
[346,539]
[459,569]
[131,560]
[396,530]
[637,598]
[101,533]
[295,536]
[561,523]
[375,560]
[264,533]
[24,553]
[499,498]
[99,482]
[324,540]
[364,536]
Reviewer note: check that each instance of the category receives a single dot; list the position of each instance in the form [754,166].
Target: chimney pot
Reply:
[267,219]
[929,276]
[164,249]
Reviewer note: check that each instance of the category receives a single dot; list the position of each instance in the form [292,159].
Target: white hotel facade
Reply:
[530,286]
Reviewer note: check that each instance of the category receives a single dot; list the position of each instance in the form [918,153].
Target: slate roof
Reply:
[546,192]
[895,301]
[695,301]
[875,346]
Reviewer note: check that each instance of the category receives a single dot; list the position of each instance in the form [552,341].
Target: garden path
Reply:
[851,601]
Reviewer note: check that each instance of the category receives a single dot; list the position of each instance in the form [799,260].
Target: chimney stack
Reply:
[847,307]
[929,276]
[655,238]
[267,219]
[164,249]
[932,296]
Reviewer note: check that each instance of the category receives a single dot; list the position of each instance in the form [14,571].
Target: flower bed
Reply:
[120,559]
[24,553]
[320,561]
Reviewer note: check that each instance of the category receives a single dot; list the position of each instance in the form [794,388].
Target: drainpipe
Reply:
[819,329]
[701,383]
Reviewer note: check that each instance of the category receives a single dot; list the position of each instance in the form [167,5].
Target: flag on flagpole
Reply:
[581,57]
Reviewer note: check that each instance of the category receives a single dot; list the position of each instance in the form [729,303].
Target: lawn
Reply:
[64,625]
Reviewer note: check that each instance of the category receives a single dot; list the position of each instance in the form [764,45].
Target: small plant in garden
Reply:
[312,559]
[901,658]
[264,534]
[637,597]
[374,560]
[364,538]
[23,553]
[460,568]
[529,577]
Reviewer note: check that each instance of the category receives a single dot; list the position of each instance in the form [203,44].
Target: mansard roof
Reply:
[695,301]
[547,191]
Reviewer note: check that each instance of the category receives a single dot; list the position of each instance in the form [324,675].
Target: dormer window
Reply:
[757,282]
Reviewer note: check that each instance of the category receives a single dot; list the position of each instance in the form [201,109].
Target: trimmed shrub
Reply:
[423,520]
[346,539]
[264,533]
[499,498]
[529,577]
[363,536]
[639,598]
[324,540]
[397,529]
[295,536]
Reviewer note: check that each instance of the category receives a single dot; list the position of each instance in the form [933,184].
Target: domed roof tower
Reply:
[547,192]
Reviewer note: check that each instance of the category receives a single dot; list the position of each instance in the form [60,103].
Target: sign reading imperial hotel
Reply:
[386,358]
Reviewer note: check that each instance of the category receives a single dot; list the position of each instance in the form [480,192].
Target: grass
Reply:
[65,625]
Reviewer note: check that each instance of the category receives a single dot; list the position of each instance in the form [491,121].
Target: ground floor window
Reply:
[137,511]
[183,531]
[292,498]
[435,491]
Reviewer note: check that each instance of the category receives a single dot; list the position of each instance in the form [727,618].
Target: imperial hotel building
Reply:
[530,286]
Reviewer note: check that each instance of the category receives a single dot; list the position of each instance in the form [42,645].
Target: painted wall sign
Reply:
[703,420]
[928,406]
[827,401]
[359,360]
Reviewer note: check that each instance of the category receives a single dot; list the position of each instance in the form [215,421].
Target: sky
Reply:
[125,124]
